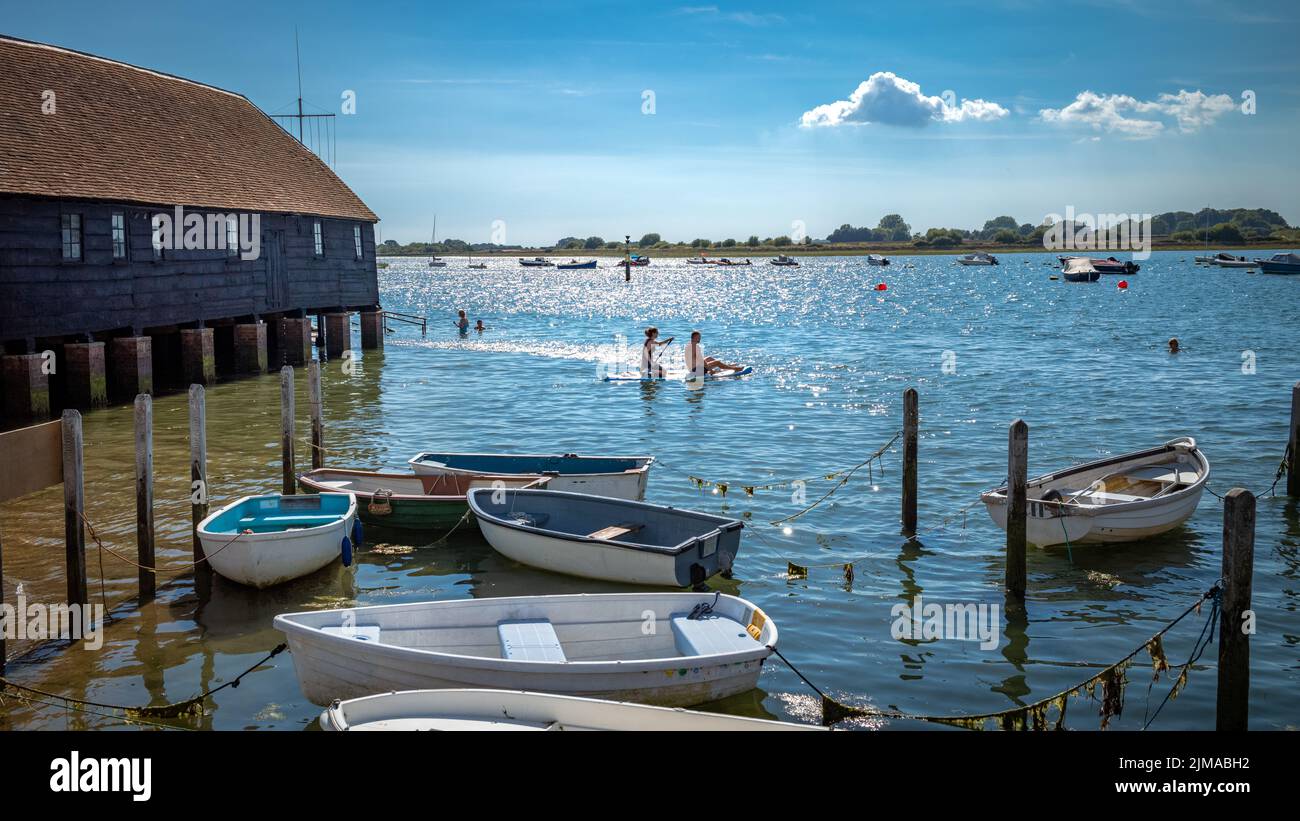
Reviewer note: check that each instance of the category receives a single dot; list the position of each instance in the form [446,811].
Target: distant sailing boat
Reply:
[1208,258]
[472,264]
[435,262]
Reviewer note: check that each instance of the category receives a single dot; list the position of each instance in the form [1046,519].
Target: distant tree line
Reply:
[1217,226]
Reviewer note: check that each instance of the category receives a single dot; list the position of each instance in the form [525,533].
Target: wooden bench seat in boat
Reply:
[529,640]
[708,635]
[615,531]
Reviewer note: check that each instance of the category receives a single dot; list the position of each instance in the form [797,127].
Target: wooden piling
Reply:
[317,420]
[144,530]
[1293,462]
[911,423]
[1233,702]
[198,468]
[74,509]
[286,428]
[2,601]
[1017,506]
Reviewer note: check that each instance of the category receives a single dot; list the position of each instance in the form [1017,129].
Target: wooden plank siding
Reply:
[41,296]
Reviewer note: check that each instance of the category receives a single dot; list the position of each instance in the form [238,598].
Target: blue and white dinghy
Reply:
[667,649]
[263,541]
[520,710]
[611,539]
[620,477]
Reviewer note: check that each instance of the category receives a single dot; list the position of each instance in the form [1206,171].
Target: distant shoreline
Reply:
[741,252]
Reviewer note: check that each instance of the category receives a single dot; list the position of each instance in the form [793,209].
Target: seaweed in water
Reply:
[1159,662]
[1112,694]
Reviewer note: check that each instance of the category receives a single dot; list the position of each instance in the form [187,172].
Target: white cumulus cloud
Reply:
[1140,119]
[886,98]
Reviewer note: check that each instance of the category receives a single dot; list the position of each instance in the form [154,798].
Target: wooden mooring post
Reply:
[1232,707]
[317,419]
[74,509]
[911,424]
[1293,451]
[1017,507]
[198,469]
[286,428]
[144,529]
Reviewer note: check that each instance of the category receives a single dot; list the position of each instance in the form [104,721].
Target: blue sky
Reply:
[532,113]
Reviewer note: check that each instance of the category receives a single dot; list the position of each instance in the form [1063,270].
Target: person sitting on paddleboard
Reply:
[699,364]
[462,323]
[649,362]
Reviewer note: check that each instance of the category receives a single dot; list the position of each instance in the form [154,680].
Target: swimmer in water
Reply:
[1173,345]
[479,326]
[462,323]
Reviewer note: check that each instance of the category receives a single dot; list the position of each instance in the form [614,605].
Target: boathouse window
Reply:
[72,237]
[316,234]
[356,239]
[232,235]
[119,235]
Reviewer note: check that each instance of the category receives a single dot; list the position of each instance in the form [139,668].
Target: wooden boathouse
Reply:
[156,232]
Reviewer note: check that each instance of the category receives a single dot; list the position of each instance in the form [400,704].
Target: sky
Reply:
[522,123]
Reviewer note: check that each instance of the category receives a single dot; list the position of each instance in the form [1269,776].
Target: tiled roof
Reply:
[119,132]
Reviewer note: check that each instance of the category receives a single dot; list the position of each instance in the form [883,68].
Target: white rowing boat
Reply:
[641,647]
[1119,499]
[263,541]
[610,539]
[620,477]
[521,710]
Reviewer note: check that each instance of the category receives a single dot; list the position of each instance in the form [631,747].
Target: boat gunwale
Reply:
[760,652]
[538,480]
[675,550]
[647,462]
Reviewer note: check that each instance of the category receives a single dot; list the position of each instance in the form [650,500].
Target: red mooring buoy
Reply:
[882,287]
[1123,284]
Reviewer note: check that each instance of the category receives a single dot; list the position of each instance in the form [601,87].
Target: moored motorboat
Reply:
[536,262]
[1109,265]
[620,477]
[1079,269]
[574,265]
[1280,264]
[405,500]
[636,261]
[698,261]
[1118,499]
[784,260]
[523,710]
[668,649]
[873,259]
[261,541]
[610,539]
[1229,261]
[977,258]
[726,261]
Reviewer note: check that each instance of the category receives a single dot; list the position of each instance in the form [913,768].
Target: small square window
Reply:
[356,239]
[119,235]
[72,237]
[319,239]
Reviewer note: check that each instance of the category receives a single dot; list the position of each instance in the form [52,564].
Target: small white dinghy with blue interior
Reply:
[522,710]
[620,477]
[1119,499]
[669,649]
[611,539]
[263,541]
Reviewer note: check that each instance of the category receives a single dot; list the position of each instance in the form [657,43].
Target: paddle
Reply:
[654,363]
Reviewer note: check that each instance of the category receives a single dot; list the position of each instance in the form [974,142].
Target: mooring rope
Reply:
[155,570]
[1277,477]
[189,707]
[1034,716]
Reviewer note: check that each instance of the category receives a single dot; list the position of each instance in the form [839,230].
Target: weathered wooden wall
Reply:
[41,296]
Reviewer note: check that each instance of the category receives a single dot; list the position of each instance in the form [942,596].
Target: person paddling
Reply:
[649,361]
[462,323]
[699,364]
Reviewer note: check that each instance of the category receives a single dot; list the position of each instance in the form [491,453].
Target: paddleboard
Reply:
[678,376]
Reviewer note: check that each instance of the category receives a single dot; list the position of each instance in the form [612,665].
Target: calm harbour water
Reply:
[1085,365]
